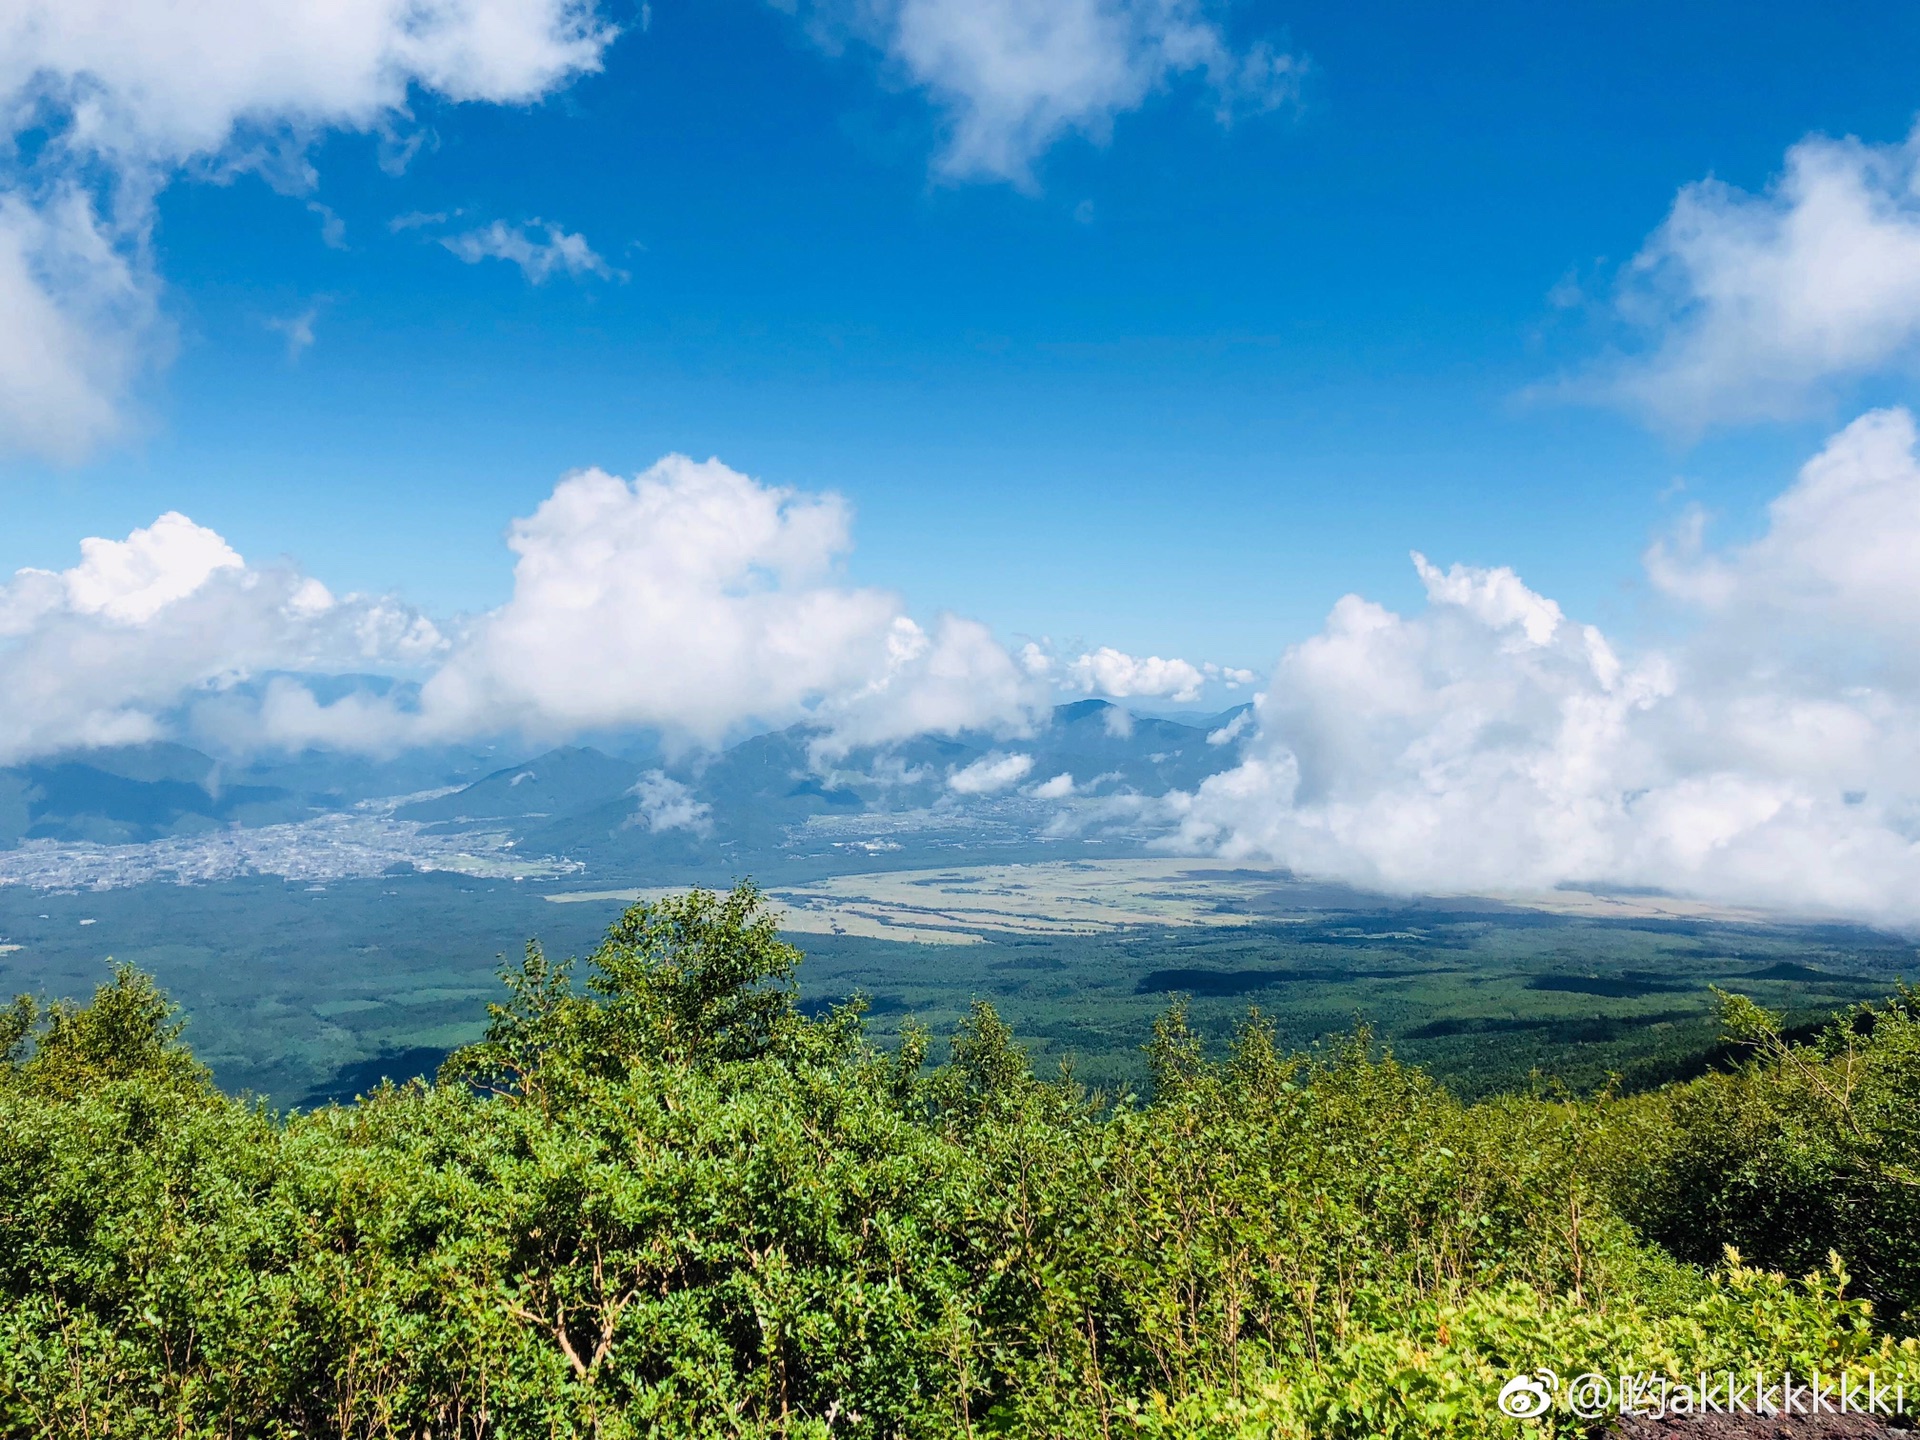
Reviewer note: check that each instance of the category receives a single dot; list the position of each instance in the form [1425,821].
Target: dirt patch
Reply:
[1753,1427]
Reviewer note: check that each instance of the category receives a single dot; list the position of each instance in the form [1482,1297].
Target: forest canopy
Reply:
[660,1200]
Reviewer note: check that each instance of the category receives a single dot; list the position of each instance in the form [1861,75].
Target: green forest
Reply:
[661,1198]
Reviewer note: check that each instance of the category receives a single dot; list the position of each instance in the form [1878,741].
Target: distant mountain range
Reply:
[778,792]
[628,806]
[134,794]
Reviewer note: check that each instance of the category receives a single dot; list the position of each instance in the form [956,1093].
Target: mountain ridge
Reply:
[768,795]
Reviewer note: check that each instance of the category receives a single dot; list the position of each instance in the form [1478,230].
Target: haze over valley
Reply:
[328,921]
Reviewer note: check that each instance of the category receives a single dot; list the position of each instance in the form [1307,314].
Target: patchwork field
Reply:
[964,905]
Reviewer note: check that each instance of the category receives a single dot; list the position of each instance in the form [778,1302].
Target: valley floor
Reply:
[307,990]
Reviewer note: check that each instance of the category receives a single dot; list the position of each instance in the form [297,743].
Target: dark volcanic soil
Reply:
[1754,1427]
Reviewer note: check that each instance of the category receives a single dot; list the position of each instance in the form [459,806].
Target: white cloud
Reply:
[1058,788]
[1771,757]
[1496,598]
[108,651]
[691,599]
[956,678]
[1107,671]
[665,804]
[143,81]
[298,329]
[1753,306]
[1230,676]
[1487,742]
[418,220]
[539,259]
[124,95]
[333,230]
[1114,673]
[288,716]
[1014,76]
[1233,729]
[125,580]
[1841,551]
[990,773]
[79,315]
[695,599]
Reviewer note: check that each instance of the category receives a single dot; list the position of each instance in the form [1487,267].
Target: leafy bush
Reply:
[664,1202]
[1803,1150]
[1432,1372]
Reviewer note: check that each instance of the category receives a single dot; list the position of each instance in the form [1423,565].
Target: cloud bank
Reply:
[108,102]
[106,652]
[690,599]
[1770,755]
[1490,743]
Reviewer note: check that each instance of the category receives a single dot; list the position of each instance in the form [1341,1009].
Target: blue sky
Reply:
[1177,395]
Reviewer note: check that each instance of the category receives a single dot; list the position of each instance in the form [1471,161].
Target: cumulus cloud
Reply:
[1058,788]
[539,259]
[956,677]
[134,579]
[1751,306]
[1839,552]
[1489,742]
[690,599]
[287,715]
[1107,671]
[695,599]
[1012,77]
[109,651]
[1114,673]
[990,773]
[121,96]
[148,81]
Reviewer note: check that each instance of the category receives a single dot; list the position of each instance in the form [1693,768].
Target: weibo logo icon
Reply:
[1526,1397]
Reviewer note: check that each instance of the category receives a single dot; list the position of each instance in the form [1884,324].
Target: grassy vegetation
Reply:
[658,1198]
[301,996]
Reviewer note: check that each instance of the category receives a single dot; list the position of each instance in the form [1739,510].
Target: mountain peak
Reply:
[1078,710]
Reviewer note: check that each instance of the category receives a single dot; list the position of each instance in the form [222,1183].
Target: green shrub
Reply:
[662,1202]
[1803,1150]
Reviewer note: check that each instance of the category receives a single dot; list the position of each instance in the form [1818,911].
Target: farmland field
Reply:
[304,993]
